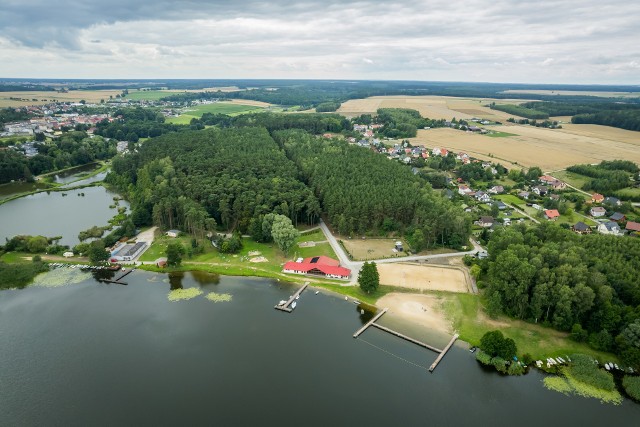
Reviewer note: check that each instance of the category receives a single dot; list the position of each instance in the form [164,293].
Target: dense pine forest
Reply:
[362,191]
[586,285]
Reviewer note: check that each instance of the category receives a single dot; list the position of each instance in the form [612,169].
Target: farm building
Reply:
[127,252]
[318,266]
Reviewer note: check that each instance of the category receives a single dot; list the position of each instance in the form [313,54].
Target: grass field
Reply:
[510,199]
[229,108]
[424,277]
[470,320]
[362,250]
[572,178]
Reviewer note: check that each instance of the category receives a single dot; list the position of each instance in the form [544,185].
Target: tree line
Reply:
[608,176]
[586,285]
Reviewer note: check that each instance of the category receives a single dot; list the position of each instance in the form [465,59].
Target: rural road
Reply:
[355,266]
[522,212]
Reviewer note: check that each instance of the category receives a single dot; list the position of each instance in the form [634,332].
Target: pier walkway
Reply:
[285,306]
[441,353]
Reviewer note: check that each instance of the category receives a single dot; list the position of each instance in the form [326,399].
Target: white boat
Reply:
[293,305]
[298,296]
[317,292]
[616,366]
[606,366]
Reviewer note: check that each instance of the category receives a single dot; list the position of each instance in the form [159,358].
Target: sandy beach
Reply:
[423,310]
[424,277]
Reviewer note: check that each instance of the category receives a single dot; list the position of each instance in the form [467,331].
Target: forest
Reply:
[403,122]
[8,115]
[585,285]
[134,123]
[199,179]
[361,191]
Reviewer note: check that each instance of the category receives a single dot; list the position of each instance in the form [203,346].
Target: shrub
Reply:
[483,357]
[632,386]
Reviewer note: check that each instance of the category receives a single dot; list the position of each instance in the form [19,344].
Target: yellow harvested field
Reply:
[551,149]
[44,97]
[424,277]
[433,107]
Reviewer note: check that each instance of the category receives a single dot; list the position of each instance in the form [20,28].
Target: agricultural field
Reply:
[424,277]
[45,97]
[433,107]
[230,108]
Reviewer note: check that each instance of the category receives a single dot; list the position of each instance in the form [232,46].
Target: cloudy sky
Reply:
[576,41]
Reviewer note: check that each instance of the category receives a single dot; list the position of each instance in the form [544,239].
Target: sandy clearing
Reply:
[423,310]
[424,277]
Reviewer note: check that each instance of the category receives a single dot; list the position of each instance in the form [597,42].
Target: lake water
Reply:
[73,174]
[97,354]
[58,213]
[11,189]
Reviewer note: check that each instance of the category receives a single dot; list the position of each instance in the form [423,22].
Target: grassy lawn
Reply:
[571,178]
[510,199]
[216,108]
[540,342]
[629,192]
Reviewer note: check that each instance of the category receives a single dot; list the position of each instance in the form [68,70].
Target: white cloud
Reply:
[490,40]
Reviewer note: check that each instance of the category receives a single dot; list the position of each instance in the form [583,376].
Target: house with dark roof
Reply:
[614,201]
[610,227]
[486,221]
[617,217]
[581,228]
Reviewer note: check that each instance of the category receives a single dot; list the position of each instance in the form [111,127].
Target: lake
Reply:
[97,354]
[58,213]
[73,174]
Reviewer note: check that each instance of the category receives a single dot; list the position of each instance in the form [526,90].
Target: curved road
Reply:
[355,266]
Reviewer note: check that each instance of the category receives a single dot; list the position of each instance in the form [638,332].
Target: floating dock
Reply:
[285,306]
[441,353]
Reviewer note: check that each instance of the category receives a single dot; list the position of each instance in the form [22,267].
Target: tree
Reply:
[496,345]
[284,233]
[37,244]
[368,277]
[534,173]
[175,250]
[96,252]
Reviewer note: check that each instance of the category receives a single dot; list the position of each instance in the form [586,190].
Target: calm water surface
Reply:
[58,213]
[97,354]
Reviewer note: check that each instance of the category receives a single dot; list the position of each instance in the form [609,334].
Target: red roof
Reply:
[633,226]
[596,197]
[552,213]
[323,268]
[324,260]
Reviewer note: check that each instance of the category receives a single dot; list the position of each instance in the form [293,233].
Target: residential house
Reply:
[496,189]
[581,228]
[597,198]
[464,190]
[486,221]
[551,214]
[613,201]
[610,227]
[501,206]
[524,194]
[555,197]
[617,217]
[540,190]
[483,197]
[633,227]
[506,221]
[597,211]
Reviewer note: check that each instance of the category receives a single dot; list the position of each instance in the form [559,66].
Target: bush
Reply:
[483,357]
[632,386]
[584,369]
[515,369]
[500,364]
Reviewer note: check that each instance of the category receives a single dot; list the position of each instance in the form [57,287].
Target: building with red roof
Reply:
[318,266]
[551,214]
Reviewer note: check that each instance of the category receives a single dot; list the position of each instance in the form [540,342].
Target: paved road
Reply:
[355,266]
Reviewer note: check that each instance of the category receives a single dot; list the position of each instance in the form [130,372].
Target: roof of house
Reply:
[598,209]
[487,219]
[612,200]
[581,226]
[323,268]
[547,178]
[552,213]
[322,260]
[633,226]
[597,196]
[610,225]
[617,216]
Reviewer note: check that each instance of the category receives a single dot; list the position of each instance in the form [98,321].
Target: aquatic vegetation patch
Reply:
[215,297]
[184,294]
[568,384]
[60,277]
[558,384]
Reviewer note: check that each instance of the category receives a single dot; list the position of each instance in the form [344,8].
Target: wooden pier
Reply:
[285,306]
[439,358]
[117,280]
[404,337]
[369,323]
[373,323]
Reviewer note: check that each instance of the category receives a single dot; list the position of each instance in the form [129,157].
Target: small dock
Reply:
[285,306]
[118,280]
[369,323]
[441,353]
[439,358]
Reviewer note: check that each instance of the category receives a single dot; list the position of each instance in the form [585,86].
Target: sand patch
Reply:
[424,278]
[424,310]
[259,259]
[307,244]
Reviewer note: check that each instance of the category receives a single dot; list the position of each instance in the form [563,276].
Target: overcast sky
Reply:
[577,41]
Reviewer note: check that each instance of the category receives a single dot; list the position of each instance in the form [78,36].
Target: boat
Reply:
[616,366]
[282,302]
[298,296]
[293,305]
[317,292]
[606,366]
[473,349]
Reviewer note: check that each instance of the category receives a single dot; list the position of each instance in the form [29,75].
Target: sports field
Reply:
[424,277]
